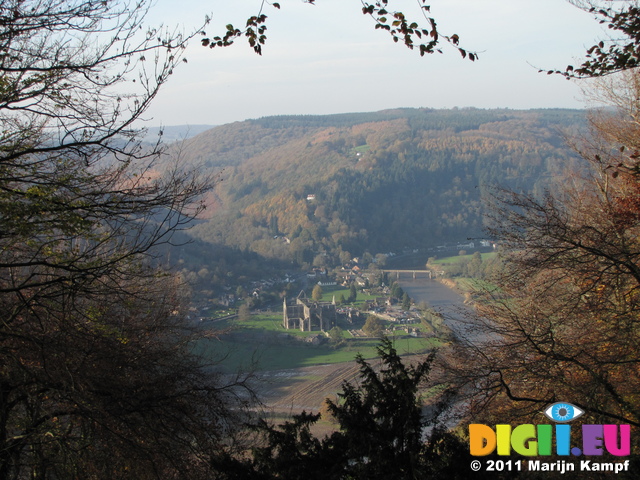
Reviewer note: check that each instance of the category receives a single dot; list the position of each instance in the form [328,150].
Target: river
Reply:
[442,299]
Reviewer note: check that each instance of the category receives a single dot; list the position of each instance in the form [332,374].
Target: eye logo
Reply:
[538,440]
[563,412]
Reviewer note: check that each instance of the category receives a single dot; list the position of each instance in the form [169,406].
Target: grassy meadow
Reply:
[262,343]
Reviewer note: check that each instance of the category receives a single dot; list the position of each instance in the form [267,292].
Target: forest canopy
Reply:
[295,186]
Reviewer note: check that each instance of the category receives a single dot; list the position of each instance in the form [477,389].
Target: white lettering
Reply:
[589,466]
[560,466]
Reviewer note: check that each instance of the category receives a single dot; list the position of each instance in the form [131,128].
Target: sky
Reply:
[328,58]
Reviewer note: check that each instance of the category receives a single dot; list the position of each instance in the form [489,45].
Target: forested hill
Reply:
[317,188]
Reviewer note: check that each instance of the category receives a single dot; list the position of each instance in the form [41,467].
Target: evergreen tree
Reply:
[381,432]
[396,290]
[406,301]
[353,293]
[381,422]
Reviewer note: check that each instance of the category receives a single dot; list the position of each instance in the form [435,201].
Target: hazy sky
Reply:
[328,58]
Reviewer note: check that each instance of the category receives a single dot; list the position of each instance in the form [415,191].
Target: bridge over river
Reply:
[414,273]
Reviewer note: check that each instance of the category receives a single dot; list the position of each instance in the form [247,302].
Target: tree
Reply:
[424,39]
[406,301]
[71,164]
[244,313]
[381,260]
[353,293]
[98,375]
[474,267]
[320,260]
[381,431]
[396,290]
[290,452]
[563,322]
[372,326]
[109,388]
[618,54]
[345,257]
[316,294]
[386,410]
[336,336]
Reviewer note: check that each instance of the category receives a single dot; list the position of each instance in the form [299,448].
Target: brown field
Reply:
[294,390]
[288,392]
[291,391]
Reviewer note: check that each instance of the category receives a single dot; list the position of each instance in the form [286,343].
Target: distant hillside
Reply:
[315,189]
[174,133]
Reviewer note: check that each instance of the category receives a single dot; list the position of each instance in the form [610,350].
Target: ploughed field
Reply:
[294,390]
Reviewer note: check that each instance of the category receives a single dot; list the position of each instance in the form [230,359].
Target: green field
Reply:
[462,258]
[466,284]
[361,149]
[263,344]
[335,291]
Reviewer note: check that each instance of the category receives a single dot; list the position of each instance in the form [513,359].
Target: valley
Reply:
[339,200]
[296,193]
[292,374]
